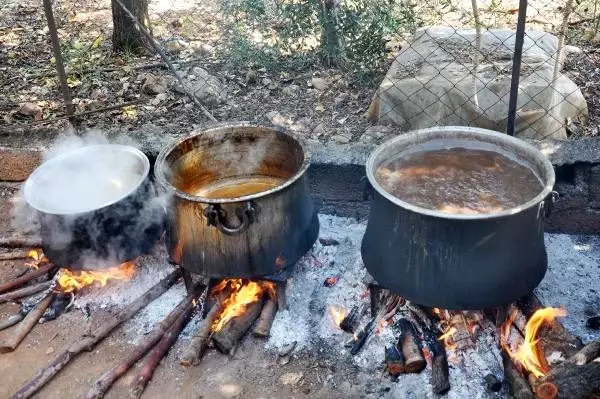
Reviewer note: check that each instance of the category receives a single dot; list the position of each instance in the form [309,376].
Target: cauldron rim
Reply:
[409,138]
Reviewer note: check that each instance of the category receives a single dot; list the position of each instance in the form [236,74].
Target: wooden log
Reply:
[87,342]
[409,344]
[394,361]
[20,242]
[160,350]
[568,380]
[17,282]
[13,255]
[518,386]
[25,292]
[281,295]
[11,321]
[588,353]
[199,342]
[440,373]
[262,329]
[32,318]
[226,338]
[103,384]
[352,319]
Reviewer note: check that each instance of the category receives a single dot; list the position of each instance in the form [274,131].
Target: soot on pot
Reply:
[459,180]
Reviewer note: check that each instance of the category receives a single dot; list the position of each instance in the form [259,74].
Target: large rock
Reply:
[206,87]
[433,82]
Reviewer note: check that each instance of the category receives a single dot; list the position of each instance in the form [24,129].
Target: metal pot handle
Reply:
[547,204]
[217,217]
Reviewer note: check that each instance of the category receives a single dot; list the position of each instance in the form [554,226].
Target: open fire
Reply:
[69,281]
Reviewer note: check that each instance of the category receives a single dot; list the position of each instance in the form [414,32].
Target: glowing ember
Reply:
[69,281]
[529,354]
[381,326]
[242,294]
[331,281]
[337,314]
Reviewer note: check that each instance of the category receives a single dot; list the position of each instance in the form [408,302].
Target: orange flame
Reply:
[337,314]
[528,354]
[69,281]
[242,294]
[37,257]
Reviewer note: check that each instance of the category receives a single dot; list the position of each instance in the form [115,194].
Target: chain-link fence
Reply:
[341,70]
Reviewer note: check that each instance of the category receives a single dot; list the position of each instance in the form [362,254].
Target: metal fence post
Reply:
[516,69]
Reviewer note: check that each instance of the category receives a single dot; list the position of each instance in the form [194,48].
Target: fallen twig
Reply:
[17,282]
[24,292]
[159,351]
[87,342]
[103,384]
[11,343]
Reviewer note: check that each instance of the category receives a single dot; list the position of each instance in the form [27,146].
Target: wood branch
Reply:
[17,282]
[88,342]
[588,353]
[11,321]
[440,373]
[265,320]
[281,295]
[199,342]
[20,242]
[18,254]
[25,292]
[103,384]
[409,344]
[226,338]
[394,361]
[160,350]
[568,380]
[519,387]
[32,318]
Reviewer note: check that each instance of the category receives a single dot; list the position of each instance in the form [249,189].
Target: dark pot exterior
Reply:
[282,223]
[456,262]
[105,237]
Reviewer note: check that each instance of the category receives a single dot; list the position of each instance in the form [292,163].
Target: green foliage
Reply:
[277,34]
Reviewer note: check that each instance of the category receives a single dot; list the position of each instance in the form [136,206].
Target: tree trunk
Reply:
[330,40]
[126,35]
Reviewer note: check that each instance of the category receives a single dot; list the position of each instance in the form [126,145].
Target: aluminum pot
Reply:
[457,261]
[95,206]
[244,236]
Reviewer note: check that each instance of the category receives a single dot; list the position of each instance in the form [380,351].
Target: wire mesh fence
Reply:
[340,70]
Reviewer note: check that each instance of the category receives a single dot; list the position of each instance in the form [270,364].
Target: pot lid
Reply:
[86,179]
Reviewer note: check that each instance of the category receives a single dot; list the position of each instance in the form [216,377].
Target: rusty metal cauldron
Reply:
[244,236]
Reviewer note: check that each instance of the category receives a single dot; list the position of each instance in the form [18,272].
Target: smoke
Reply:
[95,228]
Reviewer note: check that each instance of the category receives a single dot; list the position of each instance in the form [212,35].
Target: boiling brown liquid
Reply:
[459,181]
[238,186]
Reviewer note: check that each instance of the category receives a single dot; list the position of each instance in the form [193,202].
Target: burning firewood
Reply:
[160,350]
[17,282]
[11,321]
[350,322]
[87,342]
[265,320]
[587,354]
[409,344]
[394,361]
[200,340]
[25,292]
[519,388]
[17,254]
[103,384]
[226,338]
[26,325]
[386,312]
[567,381]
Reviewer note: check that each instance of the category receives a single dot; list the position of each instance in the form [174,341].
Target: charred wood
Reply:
[440,373]
[60,304]
[17,282]
[386,312]
[281,295]
[350,322]
[11,321]
[568,381]
[394,361]
[201,338]
[88,342]
[226,338]
[25,292]
[409,344]
[586,354]
[518,386]
[327,242]
[159,351]
[11,343]
[265,320]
